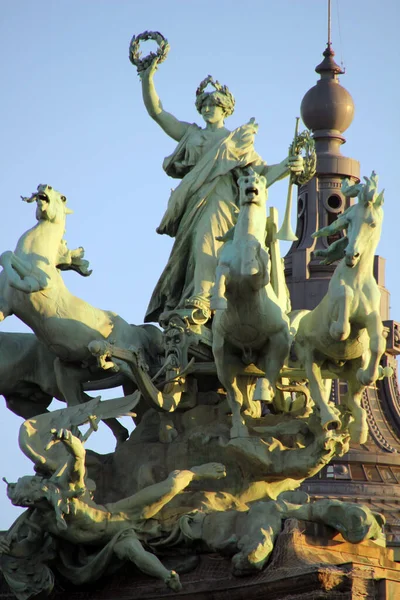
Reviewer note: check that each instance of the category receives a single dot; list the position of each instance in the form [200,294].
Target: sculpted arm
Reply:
[291,164]
[72,475]
[146,503]
[170,124]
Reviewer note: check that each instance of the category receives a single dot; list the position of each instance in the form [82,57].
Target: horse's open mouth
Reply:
[351,262]
[253,191]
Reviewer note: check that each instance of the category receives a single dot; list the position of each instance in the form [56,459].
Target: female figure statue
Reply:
[204,204]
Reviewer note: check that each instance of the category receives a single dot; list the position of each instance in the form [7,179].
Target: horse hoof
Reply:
[167,434]
[263,390]
[330,418]
[364,378]
[385,372]
[239,431]
[218,304]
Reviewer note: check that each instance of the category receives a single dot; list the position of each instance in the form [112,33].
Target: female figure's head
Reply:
[215,105]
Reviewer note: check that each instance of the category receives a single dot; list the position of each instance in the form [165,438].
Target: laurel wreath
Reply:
[223,89]
[304,142]
[216,84]
[135,55]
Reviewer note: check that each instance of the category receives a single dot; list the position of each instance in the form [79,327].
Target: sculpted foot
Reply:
[173,581]
[244,563]
[209,471]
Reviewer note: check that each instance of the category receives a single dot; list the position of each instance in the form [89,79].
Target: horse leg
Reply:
[218,299]
[26,407]
[274,356]
[329,415]
[5,310]
[340,309]
[69,381]
[235,399]
[252,408]
[227,374]
[377,346]
[358,426]
[19,273]
[167,432]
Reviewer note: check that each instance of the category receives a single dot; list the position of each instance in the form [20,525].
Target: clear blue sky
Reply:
[72,116]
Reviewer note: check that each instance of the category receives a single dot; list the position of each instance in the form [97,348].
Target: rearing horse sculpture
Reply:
[32,288]
[345,330]
[249,325]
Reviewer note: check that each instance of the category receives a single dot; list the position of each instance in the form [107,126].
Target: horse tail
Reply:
[300,388]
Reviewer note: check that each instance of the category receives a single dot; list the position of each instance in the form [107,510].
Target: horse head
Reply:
[51,205]
[364,219]
[252,188]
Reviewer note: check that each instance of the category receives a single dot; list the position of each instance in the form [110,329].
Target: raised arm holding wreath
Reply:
[203,206]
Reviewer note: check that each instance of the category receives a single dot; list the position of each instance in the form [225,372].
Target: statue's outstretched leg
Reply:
[129,547]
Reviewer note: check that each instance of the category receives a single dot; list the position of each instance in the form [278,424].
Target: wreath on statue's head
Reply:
[135,55]
[222,89]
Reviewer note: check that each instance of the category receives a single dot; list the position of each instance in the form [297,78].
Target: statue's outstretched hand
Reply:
[148,74]
[295,164]
[69,440]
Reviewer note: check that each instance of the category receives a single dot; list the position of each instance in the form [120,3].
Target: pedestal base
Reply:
[308,563]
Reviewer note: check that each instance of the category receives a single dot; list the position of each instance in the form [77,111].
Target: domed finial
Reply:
[327,105]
